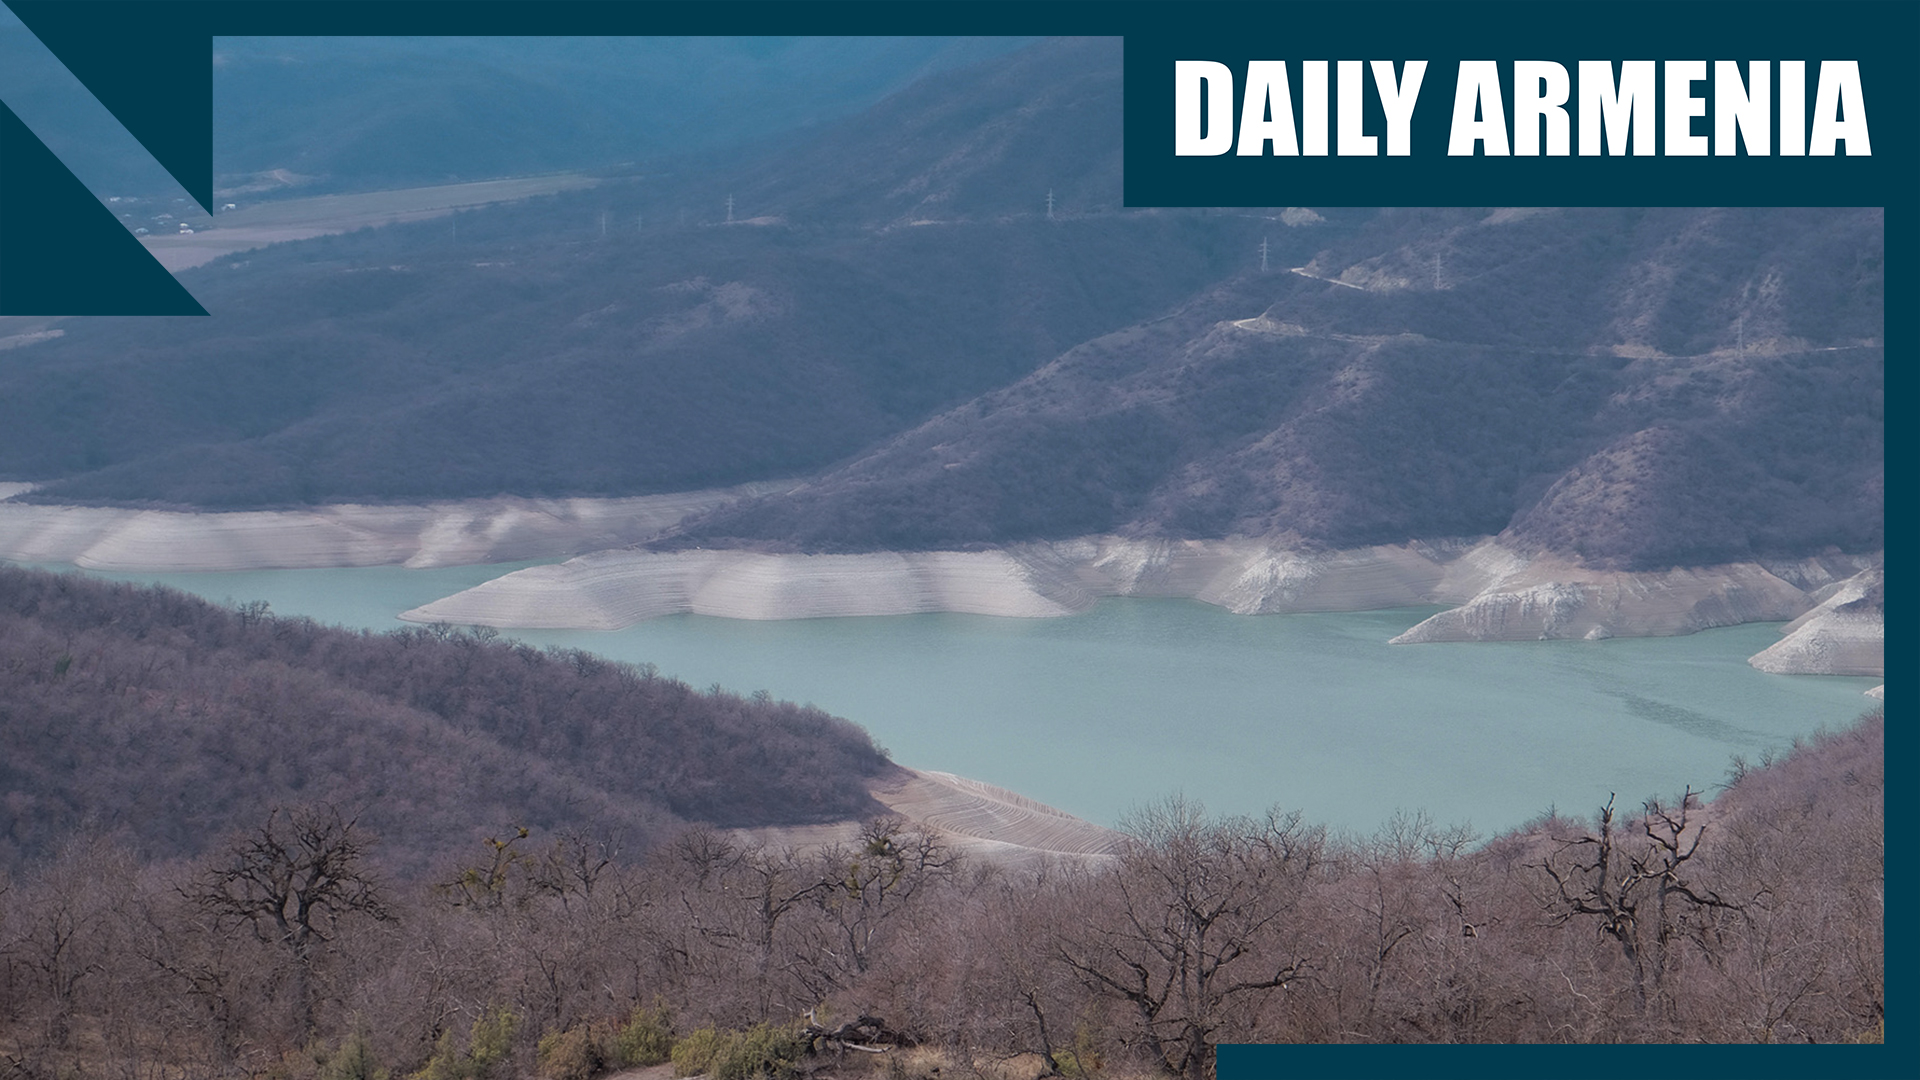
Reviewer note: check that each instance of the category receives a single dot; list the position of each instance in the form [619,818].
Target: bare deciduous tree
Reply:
[1640,896]
[1197,924]
[292,880]
[873,882]
[55,941]
[487,888]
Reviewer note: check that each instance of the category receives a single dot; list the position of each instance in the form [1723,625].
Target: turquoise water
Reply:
[1135,699]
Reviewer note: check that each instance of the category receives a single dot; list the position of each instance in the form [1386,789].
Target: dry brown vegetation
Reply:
[1755,918]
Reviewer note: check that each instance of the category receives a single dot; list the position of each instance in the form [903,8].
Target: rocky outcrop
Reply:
[1546,598]
[1844,635]
[1253,577]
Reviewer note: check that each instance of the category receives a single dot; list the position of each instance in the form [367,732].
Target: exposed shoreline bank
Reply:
[970,815]
[423,535]
[1494,593]
[1498,595]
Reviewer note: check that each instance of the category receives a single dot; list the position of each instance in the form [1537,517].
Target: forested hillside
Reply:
[169,722]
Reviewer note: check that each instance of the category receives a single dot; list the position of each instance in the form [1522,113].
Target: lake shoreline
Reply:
[1493,592]
[1140,696]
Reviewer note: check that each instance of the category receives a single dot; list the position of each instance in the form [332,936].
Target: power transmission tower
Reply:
[1436,271]
[1263,254]
[1049,204]
[729,208]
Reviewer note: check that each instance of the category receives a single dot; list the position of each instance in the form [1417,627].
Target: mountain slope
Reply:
[980,144]
[1639,388]
[625,340]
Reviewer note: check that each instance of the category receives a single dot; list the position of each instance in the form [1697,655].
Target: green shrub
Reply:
[696,1053]
[569,1055]
[489,1045]
[1083,1060]
[447,1063]
[1073,1066]
[352,1061]
[647,1038]
[492,1043]
[761,1050]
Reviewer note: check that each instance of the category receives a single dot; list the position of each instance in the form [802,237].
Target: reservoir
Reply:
[1136,699]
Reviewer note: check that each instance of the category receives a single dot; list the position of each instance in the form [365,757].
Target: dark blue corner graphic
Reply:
[61,252]
[151,65]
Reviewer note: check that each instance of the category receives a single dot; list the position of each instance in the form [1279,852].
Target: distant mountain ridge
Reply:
[620,341]
[358,113]
[899,311]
